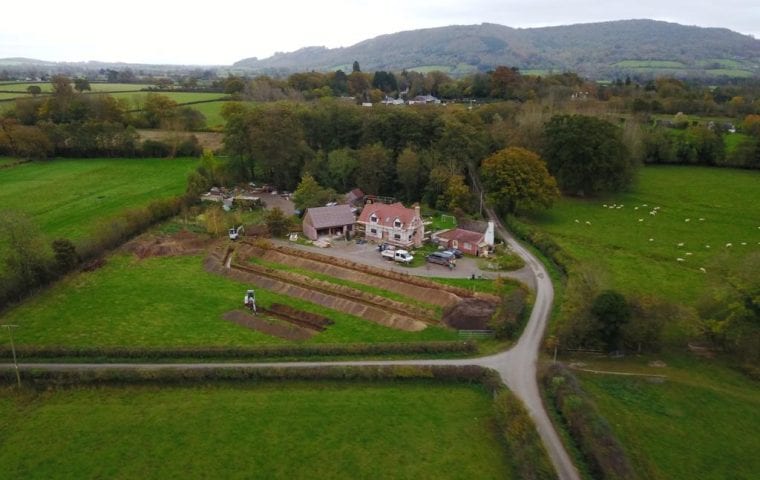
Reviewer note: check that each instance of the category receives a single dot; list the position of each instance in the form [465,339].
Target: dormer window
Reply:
[373,218]
[397,223]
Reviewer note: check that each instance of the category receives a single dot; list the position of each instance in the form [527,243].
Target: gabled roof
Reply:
[387,214]
[461,236]
[326,217]
[354,195]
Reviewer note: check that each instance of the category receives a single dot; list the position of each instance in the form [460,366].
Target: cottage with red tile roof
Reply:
[394,224]
[472,238]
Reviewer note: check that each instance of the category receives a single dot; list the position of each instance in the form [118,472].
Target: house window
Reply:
[397,223]
[410,237]
[397,236]
[467,246]
[373,218]
[373,230]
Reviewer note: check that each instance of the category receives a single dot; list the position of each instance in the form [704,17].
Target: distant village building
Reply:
[394,224]
[424,99]
[328,221]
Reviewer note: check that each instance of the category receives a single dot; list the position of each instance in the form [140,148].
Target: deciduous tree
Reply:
[586,155]
[310,194]
[516,179]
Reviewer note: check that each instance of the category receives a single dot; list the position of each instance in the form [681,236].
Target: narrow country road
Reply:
[517,366]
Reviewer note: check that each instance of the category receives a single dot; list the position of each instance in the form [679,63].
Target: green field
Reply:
[213,113]
[722,206]
[272,431]
[702,422]
[733,140]
[729,72]
[650,64]
[94,87]
[722,62]
[137,98]
[67,197]
[167,302]
[7,96]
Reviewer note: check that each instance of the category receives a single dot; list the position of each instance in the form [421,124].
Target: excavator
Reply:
[250,301]
[235,232]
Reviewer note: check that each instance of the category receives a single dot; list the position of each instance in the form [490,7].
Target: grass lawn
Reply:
[166,302]
[273,431]
[722,206]
[702,422]
[67,197]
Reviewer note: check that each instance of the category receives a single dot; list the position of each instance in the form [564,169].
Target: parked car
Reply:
[446,259]
[455,251]
[397,255]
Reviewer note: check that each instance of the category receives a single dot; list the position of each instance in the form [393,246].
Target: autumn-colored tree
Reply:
[517,180]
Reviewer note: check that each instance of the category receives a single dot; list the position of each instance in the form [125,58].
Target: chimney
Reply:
[417,210]
[489,235]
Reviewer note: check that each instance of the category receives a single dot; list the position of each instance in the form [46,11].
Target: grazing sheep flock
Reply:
[654,211]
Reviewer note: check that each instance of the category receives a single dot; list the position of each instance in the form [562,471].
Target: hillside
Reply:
[597,50]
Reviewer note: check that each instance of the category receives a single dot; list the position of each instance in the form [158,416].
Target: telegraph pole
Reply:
[13,349]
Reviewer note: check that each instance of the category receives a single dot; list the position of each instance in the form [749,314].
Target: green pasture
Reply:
[169,302]
[269,430]
[137,99]
[722,62]
[707,217]
[701,422]
[430,68]
[732,140]
[212,111]
[67,197]
[650,64]
[94,87]
[729,72]
[11,96]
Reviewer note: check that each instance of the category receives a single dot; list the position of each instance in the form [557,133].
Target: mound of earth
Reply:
[469,314]
[181,243]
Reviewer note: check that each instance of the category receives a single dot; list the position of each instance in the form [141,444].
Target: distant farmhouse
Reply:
[328,221]
[394,224]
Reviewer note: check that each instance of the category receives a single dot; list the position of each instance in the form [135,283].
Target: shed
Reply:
[328,221]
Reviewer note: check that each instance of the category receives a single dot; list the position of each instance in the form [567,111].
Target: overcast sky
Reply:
[224,31]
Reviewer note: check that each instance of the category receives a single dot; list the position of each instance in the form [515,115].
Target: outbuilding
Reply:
[328,221]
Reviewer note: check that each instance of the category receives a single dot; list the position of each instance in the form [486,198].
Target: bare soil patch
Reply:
[287,332]
[308,320]
[181,243]
[215,263]
[434,296]
[469,314]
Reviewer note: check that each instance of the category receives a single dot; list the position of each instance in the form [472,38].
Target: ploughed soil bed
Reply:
[181,243]
[260,324]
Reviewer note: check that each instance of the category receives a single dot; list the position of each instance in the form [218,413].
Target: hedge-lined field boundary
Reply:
[258,352]
[602,451]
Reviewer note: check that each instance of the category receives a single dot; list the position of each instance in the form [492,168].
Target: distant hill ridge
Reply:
[596,50]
